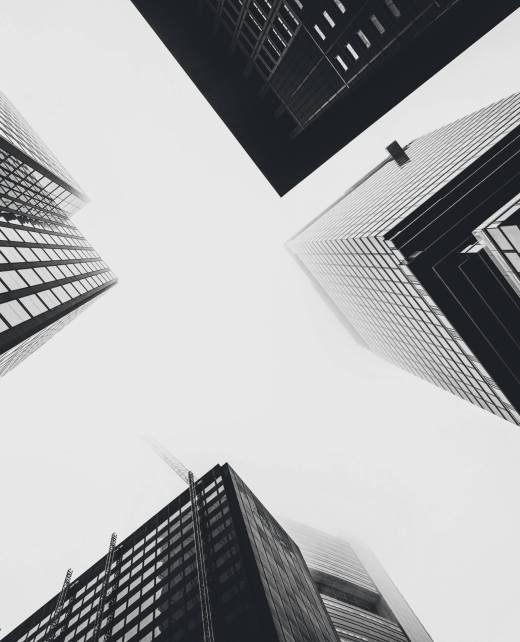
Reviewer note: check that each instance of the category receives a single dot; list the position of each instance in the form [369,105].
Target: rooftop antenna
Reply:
[200,558]
[54,619]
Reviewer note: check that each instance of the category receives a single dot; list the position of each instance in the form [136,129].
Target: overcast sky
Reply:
[215,343]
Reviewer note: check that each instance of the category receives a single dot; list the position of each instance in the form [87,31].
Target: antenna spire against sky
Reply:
[196,504]
[177,466]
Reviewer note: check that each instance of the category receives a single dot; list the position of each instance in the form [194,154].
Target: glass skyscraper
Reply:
[362,601]
[259,586]
[422,257]
[49,272]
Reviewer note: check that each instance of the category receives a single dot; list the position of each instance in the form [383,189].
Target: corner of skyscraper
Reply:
[215,566]
[49,272]
[422,257]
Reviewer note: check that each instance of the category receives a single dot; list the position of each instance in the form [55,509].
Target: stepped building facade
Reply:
[421,257]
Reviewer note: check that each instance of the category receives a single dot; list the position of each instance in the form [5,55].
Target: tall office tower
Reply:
[259,586]
[362,601]
[48,271]
[296,80]
[422,257]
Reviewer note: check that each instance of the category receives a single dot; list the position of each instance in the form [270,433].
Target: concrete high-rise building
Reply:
[422,257]
[48,271]
[296,80]
[259,587]
[362,601]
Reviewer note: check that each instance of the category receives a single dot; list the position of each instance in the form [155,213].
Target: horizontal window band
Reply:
[5,297]
[7,267]
[15,335]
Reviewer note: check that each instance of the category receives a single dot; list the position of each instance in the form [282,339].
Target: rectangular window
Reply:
[34,305]
[352,51]
[12,255]
[342,63]
[319,32]
[340,5]
[394,9]
[377,24]
[13,280]
[329,19]
[513,234]
[514,259]
[363,38]
[13,313]
[500,239]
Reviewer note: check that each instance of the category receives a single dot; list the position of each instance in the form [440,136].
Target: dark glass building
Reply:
[308,53]
[273,68]
[422,257]
[49,272]
[362,601]
[259,586]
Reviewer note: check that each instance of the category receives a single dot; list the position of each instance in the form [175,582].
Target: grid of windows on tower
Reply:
[262,29]
[17,131]
[48,270]
[152,585]
[351,252]
[294,602]
[146,588]
[308,52]
[42,266]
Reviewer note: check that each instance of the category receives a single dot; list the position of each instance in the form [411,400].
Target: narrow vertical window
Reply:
[377,24]
[340,5]
[354,53]
[393,8]
[342,63]
[363,38]
[319,32]
[329,19]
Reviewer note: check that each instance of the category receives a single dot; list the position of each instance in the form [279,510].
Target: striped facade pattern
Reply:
[348,251]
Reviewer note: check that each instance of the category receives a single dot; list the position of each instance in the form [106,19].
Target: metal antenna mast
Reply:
[104,586]
[188,478]
[53,622]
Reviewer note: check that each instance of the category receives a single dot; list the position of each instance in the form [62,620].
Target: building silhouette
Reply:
[421,257]
[259,586]
[362,601]
[296,80]
[48,271]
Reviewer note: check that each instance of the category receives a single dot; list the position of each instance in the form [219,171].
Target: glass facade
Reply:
[294,604]
[395,255]
[146,587]
[362,602]
[48,270]
[499,237]
[310,52]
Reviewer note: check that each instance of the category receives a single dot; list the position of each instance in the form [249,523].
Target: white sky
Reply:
[215,342]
